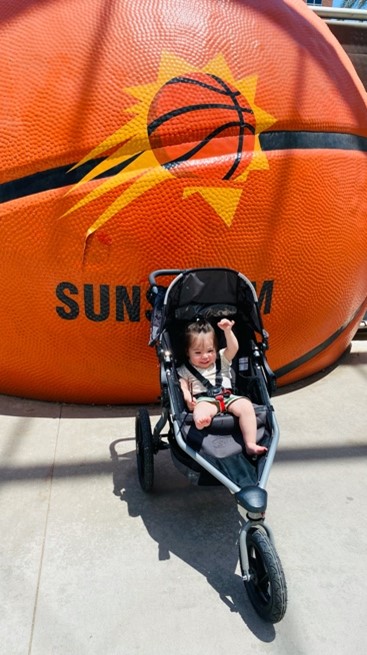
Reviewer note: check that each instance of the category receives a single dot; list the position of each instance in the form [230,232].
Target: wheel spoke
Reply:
[264,581]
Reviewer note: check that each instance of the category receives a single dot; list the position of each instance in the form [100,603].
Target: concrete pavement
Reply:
[90,565]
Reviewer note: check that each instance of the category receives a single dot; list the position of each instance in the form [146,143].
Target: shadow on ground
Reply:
[200,525]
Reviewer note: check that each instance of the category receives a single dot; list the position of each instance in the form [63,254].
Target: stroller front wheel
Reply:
[144,450]
[266,587]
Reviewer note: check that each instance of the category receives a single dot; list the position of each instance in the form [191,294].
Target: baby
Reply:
[202,352]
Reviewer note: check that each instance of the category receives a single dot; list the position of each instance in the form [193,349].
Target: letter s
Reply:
[73,307]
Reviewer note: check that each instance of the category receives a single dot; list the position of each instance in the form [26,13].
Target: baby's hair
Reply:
[199,329]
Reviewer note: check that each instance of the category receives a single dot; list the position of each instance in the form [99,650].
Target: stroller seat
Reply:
[222,432]
[221,444]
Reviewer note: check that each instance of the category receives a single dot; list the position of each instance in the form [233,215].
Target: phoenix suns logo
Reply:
[202,126]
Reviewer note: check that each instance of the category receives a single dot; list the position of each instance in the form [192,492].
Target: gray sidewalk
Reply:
[90,565]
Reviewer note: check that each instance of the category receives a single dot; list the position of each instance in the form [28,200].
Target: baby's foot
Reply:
[203,422]
[255,449]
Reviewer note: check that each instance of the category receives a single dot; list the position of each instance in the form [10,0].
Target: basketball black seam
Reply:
[242,127]
[190,108]
[63,176]
[291,366]
[202,144]
[204,85]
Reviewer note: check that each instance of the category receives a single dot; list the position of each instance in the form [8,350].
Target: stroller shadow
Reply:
[200,525]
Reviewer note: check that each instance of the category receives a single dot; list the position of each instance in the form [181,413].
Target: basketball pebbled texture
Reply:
[108,172]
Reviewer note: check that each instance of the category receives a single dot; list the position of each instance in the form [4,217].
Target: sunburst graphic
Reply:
[200,125]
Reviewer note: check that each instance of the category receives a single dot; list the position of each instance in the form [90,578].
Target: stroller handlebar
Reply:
[163,271]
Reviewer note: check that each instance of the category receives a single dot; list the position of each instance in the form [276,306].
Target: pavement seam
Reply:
[51,477]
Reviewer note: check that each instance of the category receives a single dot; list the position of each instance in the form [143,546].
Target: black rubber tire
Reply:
[267,588]
[144,450]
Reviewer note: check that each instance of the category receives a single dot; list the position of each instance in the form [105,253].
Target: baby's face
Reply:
[202,353]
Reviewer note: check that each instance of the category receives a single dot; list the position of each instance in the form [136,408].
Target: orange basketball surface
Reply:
[144,135]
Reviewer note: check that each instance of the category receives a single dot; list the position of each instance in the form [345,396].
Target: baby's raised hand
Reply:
[225,324]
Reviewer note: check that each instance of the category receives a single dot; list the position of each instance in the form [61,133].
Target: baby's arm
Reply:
[231,340]
[189,400]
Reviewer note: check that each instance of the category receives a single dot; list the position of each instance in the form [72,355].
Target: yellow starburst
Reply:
[131,151]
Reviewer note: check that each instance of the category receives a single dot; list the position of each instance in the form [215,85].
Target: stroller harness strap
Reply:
[217,391]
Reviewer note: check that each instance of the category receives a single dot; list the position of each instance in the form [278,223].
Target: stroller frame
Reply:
[261,569]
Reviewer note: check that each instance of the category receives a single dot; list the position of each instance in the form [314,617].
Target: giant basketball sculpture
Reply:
[145,134]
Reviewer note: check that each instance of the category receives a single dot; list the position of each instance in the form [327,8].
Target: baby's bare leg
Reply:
[243,409]
[203,414]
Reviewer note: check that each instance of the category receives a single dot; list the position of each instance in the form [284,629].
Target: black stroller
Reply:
[216,454]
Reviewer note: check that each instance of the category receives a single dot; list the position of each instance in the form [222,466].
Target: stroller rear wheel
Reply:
[266,587]
[144,450]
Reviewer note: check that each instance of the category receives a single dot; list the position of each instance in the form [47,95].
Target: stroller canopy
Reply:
[205,293]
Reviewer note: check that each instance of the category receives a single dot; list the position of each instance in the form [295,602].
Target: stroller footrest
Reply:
[221,423]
